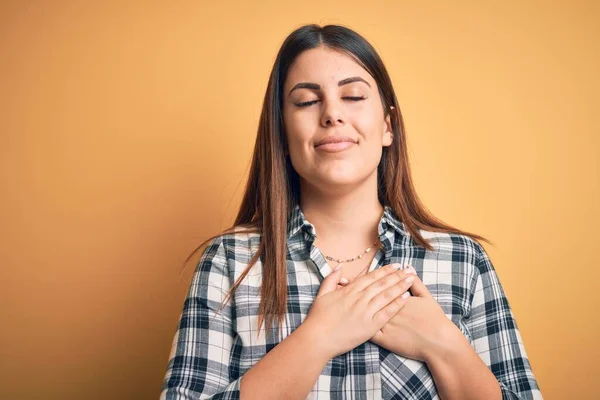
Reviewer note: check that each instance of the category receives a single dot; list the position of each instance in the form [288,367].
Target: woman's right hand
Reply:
[344,317]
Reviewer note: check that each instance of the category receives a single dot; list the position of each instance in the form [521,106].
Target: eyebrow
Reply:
[310,85]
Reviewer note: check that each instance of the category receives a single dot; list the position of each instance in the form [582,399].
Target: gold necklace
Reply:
[352,259]
[339,260]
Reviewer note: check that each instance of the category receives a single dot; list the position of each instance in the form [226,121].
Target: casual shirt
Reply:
[210,353]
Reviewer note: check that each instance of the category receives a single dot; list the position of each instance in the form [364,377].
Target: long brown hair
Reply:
[273,189]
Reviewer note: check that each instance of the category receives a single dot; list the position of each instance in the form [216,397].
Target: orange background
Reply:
[127,130]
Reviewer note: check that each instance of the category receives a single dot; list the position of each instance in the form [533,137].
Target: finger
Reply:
[385,297]
[343,282]
[381,317]
[330,283]
[419,289]
[366,280]
[377,337]
[384,283]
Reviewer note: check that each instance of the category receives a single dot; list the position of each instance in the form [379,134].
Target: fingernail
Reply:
[344,281]
[410,270]
[406,295]
[396,266]
[409,279]
[338,267]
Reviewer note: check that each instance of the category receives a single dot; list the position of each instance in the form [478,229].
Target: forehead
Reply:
[324,66]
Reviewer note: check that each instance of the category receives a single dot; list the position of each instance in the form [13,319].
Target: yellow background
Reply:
[127,129]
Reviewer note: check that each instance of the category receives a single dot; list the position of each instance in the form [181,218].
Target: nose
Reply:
[332,114]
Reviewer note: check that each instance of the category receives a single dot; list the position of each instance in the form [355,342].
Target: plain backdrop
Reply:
[127,130]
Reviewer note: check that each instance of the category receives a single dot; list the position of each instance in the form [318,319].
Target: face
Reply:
[329,95]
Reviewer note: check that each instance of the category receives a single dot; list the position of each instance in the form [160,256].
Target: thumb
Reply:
[330,283]
[377,337]
[419,289]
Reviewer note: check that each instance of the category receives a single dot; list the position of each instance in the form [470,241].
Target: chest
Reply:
[367,366]
[448,281]
[359,267]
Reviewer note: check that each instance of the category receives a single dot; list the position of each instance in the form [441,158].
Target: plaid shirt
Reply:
[209,361]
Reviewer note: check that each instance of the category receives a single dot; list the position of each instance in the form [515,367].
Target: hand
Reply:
[419,329]
[344,317]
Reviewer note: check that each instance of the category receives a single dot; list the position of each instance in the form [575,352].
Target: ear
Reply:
[388,133]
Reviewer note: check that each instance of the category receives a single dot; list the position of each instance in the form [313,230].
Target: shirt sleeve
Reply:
[199,362]
[496,337]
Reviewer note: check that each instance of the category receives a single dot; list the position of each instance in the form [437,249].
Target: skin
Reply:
[339,197]
[336,110]
[336,186]
[338,190]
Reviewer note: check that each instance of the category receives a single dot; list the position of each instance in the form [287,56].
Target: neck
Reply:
[343,213]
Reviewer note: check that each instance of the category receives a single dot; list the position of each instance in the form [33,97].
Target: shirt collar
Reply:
[297,222]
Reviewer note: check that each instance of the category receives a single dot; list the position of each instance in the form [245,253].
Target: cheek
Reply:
[368,126]
[298,130]
[368,115]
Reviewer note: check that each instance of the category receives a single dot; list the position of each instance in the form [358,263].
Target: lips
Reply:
[334,139]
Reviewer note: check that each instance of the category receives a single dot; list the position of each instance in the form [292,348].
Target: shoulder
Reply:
[464,250]
[236,244]
[225,255]
[462,253]
[460,246]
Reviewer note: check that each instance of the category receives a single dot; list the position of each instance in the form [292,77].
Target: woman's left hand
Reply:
[420,328]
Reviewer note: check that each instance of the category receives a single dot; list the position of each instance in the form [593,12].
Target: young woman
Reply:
[335,281]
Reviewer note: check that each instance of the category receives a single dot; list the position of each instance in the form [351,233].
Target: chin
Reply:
[339,179]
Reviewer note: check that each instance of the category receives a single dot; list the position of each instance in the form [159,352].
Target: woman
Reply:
[276,311]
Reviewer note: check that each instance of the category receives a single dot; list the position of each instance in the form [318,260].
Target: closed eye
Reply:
[308,103]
